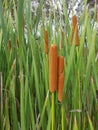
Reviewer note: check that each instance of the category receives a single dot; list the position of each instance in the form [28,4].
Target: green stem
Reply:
[62,112]
[53,112]
[78,80]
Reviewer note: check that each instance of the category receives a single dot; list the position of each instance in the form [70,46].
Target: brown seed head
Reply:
[60,77]
[60,64]
[60,87]
[46,41]
[75,31]
[53,61]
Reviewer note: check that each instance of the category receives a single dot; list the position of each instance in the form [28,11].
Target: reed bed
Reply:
[47,81]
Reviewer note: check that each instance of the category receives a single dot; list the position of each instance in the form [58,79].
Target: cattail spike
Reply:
[60,77]
[75,31]
[46,41]
[60,87]
[53,60]
[60,64]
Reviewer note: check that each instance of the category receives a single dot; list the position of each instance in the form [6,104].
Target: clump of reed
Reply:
[46,86]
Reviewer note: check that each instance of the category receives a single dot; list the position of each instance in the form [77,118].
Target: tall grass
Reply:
[25,100]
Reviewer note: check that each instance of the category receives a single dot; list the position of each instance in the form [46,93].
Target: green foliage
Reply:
[24,88]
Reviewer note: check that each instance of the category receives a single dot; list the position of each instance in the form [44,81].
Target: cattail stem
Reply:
[47,76]
[79,99]
[53,112]
[62,113]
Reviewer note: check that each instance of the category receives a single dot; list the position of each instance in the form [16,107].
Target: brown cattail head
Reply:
[60,64]
[46,41]
[60,77]
[60,87]
[75,31]
[53,62]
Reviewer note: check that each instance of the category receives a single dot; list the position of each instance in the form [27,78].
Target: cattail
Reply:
[75,31]
[53,61]
[60,87]
[46,41]
[60,77]
[60,64]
